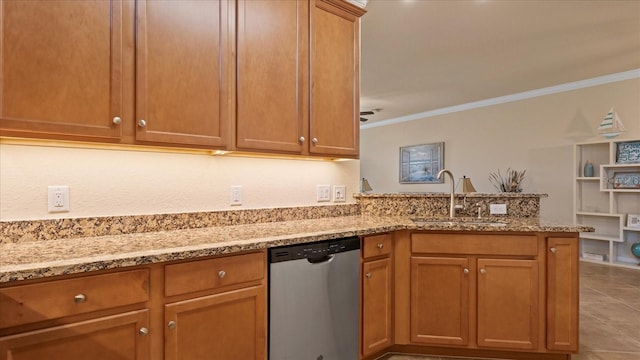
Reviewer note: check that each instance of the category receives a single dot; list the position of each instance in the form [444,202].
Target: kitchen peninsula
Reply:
[149,273]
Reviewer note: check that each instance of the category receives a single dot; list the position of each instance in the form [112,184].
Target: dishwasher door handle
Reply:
[320,259]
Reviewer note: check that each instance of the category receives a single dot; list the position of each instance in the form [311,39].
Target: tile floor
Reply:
[609,315]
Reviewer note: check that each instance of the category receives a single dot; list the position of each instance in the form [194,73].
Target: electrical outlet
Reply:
[236,195]
[339,193]
[323,193]
[58,198]
[498,209]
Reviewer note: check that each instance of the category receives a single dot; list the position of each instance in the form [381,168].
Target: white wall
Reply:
[535,134]
[119,182]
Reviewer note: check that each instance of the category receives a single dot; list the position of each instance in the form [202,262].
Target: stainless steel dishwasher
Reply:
[313,301]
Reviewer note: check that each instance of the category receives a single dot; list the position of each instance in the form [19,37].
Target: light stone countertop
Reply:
[39,259]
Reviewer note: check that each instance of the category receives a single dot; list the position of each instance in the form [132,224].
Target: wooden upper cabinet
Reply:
[298,77]
[335,78]
[272,84]
[182,72]
[61,71]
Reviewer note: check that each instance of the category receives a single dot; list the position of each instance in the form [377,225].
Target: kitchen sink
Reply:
[460,222]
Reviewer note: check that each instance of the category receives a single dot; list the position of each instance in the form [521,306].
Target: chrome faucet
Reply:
[452,206]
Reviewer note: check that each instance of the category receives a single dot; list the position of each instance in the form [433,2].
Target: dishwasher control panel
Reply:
[313,250]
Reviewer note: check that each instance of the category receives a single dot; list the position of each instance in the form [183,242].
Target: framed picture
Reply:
[626,180]
[420,164]
[633,220]
[628,152]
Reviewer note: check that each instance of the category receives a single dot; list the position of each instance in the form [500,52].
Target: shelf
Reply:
[608,173]
[584,213]
[592,236]
[621,166]
[622,190]
[598,204]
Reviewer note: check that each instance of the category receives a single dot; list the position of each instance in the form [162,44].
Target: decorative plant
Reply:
[510,182]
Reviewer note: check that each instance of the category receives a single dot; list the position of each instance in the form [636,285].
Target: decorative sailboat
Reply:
[611,126]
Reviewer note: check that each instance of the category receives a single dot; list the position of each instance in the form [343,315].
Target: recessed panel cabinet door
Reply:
[562,294]
[334,127]
[376,306]
[118,337]
[272,104]
[61,71]
[182,72]
[230,325]
[508,303]
[440,296]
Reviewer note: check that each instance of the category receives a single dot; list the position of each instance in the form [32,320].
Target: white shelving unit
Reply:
[604,203]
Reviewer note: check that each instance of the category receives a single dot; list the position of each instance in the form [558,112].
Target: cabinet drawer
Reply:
[26,304]
[474,244]
[213,273]
[376,245]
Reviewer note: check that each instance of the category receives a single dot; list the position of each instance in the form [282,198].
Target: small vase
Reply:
[588,169]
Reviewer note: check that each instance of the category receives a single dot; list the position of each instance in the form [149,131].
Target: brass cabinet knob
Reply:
[380,245]
[80,298]
[483,271]
[142,123]
[221,274]
[368,275]
[171,324]
[143,331]
[553,250]
[116,120]
[466,271]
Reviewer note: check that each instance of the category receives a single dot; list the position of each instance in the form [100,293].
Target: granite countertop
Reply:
[39,259]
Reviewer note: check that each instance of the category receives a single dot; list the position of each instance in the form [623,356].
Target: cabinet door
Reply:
[117,337]
[182,72]
[334,126]
[231,325]
[507,303]
[272,60]
[562,294]
[61,68]
[376,306]
[440,300]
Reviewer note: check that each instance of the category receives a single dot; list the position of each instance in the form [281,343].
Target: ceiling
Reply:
[425,55]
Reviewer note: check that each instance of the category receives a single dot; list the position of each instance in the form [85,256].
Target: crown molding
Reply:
[601,80]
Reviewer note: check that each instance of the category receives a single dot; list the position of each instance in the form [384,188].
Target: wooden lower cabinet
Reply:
[376,331]
[562,293]
[207,308]
[440,296]
[376,305]
[117,337]
[507,303]
[231,325]
[511,295]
